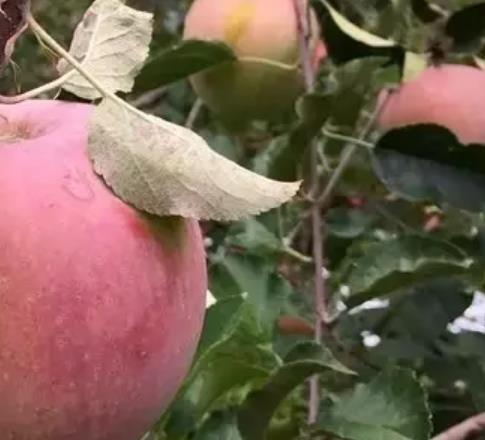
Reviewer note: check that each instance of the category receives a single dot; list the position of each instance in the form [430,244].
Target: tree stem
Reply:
[302,10]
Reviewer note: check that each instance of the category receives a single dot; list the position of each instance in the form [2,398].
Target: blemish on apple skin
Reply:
[76,184]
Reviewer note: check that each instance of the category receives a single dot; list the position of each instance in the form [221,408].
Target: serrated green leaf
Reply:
[256,239]
[305,360]
[265,290]
[393,406]
[397,263]
[231,356]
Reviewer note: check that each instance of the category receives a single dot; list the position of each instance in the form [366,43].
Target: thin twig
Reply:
[297,255]
[55,46]
[348,154]
[472,426]
[302,11]
[194,113]
[148,98]
[53,85]
[341,137]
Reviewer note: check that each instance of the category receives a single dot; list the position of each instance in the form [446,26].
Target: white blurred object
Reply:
[370,340]
[473,320]
[210,300]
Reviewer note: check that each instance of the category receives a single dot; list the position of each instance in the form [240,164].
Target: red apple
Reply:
[263,34]
[452,96]
[101,306]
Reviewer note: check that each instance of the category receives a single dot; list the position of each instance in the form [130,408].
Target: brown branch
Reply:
[302,12]
[465,430]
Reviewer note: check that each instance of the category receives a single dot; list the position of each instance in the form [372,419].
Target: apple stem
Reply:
[31,94]
[44,36]
[58,49]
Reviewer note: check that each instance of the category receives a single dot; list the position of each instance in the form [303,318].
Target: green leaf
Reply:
[220,426]
[467,26]
[346,41]
[255,238]
[425,312]
[427,12]
[397,263]
[305,360]
[348,223]
[283,157]
[265,290]
[393,406]
[180,61]
[427,162]
[232,355]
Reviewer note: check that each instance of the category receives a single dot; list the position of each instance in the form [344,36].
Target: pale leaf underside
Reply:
[112,42]
[165,169]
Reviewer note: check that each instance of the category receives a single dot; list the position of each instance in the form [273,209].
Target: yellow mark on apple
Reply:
[238,20]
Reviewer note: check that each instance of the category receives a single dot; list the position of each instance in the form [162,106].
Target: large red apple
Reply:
[100,306]
[263,34]
[452,96]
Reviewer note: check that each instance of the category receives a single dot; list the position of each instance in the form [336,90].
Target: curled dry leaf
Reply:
[112,42]
[13,14]
[165,169]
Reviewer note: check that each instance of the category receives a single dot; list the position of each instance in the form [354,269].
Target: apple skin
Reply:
[101,307]
[250,90]
[452,96]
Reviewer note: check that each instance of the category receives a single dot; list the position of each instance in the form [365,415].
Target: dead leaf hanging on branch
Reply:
[13,21]
[112,44]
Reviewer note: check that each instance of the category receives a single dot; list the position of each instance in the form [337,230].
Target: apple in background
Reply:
[449,95]
[101,306]
[250,89]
